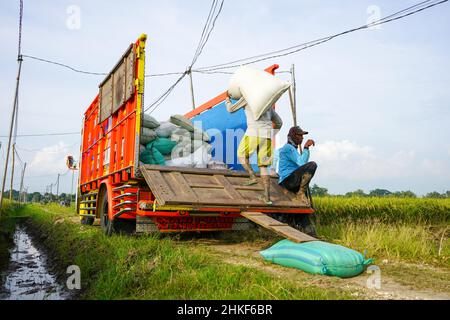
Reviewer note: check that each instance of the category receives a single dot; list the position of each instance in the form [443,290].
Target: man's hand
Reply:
[227,99]
[309,143]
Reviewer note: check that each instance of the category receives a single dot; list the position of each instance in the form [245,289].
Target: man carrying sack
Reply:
[257,138]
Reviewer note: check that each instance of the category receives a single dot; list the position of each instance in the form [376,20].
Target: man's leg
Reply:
[264,161]
[307,171]
[244,151]
[265,177]
[247,166]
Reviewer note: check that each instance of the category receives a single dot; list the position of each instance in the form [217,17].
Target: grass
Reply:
[123,267]
[388,210]
[407,237]
[398,242]
[398,229]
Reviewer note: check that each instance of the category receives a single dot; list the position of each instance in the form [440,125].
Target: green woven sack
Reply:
[152,156]
[163,145]
[317,257]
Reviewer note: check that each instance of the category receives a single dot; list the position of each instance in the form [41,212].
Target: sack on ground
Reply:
[149,122]
[317,257]
[166,129]
[147,135]
[259,88]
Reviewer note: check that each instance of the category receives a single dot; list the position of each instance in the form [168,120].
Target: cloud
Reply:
[348,160]
[50,160]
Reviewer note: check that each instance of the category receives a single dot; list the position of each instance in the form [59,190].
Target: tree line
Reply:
[322,192]
[39,197]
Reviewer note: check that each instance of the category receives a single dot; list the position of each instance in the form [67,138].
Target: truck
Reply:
[128,196]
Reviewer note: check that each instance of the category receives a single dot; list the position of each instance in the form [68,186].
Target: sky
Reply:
[376,102]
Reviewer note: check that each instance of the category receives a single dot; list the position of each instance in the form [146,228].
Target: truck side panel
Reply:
[111,148]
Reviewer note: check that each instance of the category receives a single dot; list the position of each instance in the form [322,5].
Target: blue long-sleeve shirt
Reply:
[289,160]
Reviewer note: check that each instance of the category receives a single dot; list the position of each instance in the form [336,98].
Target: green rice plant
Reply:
[388,210]
[418,244]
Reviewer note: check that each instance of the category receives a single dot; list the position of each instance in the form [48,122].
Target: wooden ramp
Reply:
[278,227]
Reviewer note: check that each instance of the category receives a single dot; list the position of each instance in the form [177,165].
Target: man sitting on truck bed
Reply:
[293,167]
[257,138]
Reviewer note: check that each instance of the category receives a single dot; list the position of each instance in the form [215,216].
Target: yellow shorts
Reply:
[263,146]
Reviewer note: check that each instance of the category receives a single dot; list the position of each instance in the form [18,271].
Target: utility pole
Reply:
[292,96]
[71,187]
[191,87]
[57,186]
[12,172]
[21,180]
[11,126]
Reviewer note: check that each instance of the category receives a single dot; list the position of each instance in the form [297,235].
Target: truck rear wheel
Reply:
[109,227]
[103,209]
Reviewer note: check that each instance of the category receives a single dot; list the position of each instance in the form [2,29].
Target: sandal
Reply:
[263,199]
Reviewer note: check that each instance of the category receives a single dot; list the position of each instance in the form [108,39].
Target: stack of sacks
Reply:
[192,149]
[174,143]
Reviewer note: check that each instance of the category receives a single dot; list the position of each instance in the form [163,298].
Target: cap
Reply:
[297,131]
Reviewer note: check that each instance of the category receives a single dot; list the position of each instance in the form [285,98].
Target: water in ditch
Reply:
[27,276]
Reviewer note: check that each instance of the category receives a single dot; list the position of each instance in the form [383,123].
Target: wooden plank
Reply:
[279,228]
[158,185]
[199,171]
[184,188]
[206,186]
[229,188]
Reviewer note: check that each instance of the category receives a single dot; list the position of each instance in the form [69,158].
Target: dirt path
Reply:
[247,254]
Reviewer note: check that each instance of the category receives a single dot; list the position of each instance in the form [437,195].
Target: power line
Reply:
[18,156]
[41,150]
[65,66]
[163,74]
[309,44]
[207,29]
[91,72]
[206,25]
[155,104]
[44,134]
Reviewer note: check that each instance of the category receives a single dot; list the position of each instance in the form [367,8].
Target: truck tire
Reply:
[110,227]
[106,224]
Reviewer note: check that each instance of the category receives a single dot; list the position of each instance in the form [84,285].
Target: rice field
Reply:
[334,209]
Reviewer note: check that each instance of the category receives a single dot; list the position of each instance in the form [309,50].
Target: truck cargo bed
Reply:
[213,188]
